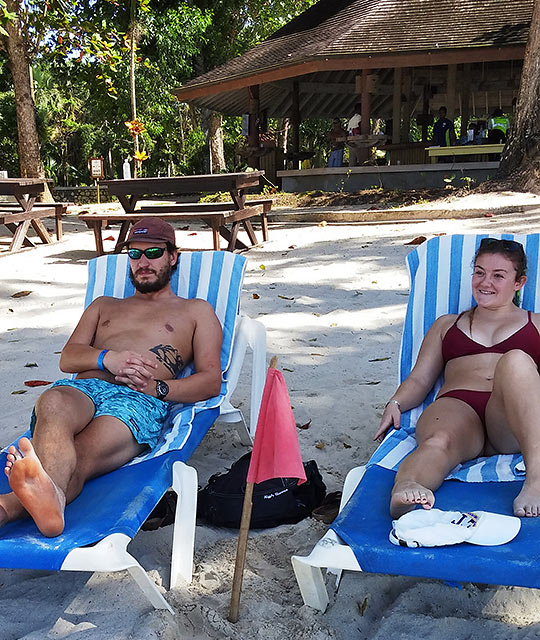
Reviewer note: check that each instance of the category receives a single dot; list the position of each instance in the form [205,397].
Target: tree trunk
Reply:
[521,154]
[215,137]
[27,135]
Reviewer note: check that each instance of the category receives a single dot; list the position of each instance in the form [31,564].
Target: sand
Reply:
[332,299]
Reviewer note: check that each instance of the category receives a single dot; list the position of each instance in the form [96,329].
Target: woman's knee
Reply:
[441,439]
[512,364]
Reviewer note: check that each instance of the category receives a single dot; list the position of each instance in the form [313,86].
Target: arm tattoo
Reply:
[169,356]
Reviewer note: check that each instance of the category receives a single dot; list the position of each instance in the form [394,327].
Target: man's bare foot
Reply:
[527,502]
[406,495]
[35,489]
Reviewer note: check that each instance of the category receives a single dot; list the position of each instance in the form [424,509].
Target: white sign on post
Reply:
[96,167]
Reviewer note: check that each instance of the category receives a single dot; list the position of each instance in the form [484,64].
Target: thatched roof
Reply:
[329,43]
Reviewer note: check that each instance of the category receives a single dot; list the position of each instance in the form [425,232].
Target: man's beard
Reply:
[163,278]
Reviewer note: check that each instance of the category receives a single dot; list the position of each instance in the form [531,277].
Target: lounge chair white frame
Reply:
[330,552]
[110,553]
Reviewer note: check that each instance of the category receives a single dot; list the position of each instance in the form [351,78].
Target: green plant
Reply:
[468,182]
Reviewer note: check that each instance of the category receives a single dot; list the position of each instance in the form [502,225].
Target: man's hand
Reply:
[130,368]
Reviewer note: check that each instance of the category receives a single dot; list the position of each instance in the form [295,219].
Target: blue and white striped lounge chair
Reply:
[440,282]
[101,522]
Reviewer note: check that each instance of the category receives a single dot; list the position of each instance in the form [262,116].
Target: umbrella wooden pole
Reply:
[241,548]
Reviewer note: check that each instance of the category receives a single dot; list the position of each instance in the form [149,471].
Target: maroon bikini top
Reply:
[456,343]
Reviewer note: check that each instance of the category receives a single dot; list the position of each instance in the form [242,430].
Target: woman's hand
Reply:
[391,417]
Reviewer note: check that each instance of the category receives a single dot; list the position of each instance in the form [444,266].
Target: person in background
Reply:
[498,126]
[444,134]
[353,129]
[336,137]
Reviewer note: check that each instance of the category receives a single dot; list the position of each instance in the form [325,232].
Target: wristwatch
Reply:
[162,389]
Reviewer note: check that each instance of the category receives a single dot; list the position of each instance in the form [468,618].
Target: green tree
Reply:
[521,155]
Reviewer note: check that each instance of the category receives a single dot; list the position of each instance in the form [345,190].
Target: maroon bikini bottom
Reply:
[475,399]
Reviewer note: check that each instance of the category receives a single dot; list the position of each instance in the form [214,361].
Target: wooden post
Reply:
[465,98]
[366,104]
[253,136]
[241,551]
[241,548]
[451,91]
[396,106]
[295,118]
[407,90]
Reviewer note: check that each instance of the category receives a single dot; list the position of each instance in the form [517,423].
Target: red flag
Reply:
[276,452]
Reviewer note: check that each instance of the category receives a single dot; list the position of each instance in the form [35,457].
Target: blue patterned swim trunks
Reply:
[143,415]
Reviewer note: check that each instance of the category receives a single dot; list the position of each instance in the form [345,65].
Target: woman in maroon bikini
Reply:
[489,356]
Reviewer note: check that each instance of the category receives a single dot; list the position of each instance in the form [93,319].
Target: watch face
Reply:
[162,389]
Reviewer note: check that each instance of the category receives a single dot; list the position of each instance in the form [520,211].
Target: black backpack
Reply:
[277,501]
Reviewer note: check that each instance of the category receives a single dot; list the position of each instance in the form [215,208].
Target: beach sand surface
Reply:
[332,298]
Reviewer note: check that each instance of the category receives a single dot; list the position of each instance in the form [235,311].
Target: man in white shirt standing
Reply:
[353,129]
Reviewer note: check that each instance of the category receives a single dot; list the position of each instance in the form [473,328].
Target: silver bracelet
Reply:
[393,402]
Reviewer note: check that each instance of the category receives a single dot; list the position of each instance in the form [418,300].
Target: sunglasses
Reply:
[151,253]
[509,245]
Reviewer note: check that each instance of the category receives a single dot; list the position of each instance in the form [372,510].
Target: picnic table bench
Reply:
[26,212]
[224,218]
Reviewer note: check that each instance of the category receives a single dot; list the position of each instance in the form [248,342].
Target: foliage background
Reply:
[79,56]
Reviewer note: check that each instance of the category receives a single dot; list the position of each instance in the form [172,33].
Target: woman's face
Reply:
[494,280]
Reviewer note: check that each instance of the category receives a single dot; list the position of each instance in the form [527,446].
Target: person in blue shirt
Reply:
[444,134]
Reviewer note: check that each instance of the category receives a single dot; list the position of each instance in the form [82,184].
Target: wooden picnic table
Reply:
[27,212]
[464,150]
[224,218]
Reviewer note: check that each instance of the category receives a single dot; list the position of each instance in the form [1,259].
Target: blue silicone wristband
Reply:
[100,359]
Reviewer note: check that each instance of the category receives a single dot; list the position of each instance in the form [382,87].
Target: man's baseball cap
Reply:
[150,230]
[436,528]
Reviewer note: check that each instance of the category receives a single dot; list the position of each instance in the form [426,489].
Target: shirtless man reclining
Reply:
[127,354]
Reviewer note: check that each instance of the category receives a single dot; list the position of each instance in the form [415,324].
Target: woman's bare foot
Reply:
[527,502]
[35,489]
[406,495]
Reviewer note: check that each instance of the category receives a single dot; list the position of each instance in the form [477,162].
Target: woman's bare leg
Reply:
[448,432]
[513,422]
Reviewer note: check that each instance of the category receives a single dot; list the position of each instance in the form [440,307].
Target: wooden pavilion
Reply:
[402,59]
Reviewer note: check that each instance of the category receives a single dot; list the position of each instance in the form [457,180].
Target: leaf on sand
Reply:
[31,364]
[292,246]
[256,296]
[320,444]
[316,354]
[18,392]
[312,340]
[193,233]
[334,324]
[370,382]
[109,238]
[417,240]
[37,383]
[262,267]
[289,370]
[285,297]
[322,223]
[346,445]
[307,425]
[362,606]
[21,294]
[379,359]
